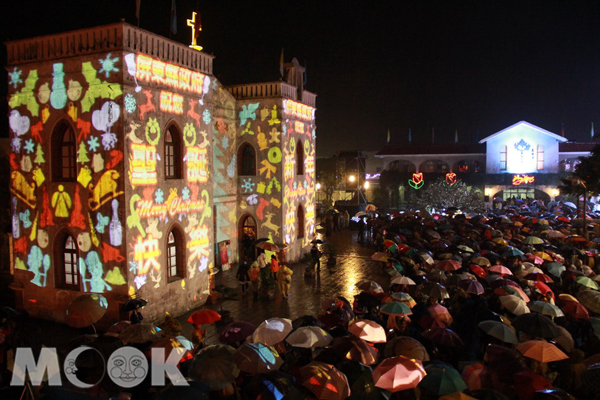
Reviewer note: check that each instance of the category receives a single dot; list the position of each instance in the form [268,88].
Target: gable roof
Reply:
[537,128]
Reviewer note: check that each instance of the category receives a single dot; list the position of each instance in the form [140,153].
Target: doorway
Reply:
[247,233]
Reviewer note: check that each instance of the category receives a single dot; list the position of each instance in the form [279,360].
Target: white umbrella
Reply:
[272,331]
[403,280]
[309,336]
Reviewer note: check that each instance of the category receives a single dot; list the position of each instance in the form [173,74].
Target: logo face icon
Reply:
[127,367]
[70,367]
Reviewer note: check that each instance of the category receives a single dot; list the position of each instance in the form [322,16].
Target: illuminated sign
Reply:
[196,28]
[298,110]
[142,168]
[197,166]
[152,70]
[372,176]
[522,179]
[417,181]
[450,178]
[171,102]
[173,206]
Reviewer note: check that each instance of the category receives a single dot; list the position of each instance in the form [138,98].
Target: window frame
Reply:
[503,158]
[300,170]
[61,262]
[300,217]
[177,271]
[63,129]
[246,162]
[173,153]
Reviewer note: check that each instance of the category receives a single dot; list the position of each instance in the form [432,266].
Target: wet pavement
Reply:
[353,265]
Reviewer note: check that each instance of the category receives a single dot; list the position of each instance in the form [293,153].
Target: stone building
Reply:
[135,172]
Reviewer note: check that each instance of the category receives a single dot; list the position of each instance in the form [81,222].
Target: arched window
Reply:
[434,166]
[173,157]
[299,158]
[540,157]
[300,219]
[246,160]
[175,255]
[64,153]
[67,271]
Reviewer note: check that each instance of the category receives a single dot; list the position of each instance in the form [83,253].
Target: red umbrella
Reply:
[504,361]
[528,382]
[443,337]
[534,259]
[398,373]
[538,277]
[543,288]
[576,310]
[477,270]
[478,376]
[448,265]
[204,316]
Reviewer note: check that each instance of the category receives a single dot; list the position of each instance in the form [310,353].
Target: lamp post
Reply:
[580,182]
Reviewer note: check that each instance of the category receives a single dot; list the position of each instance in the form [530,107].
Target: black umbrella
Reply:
[317,241]
[306,320]
[133,304]
[536,325]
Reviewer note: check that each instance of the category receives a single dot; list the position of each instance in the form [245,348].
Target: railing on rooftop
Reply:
[271,89]
[114,37]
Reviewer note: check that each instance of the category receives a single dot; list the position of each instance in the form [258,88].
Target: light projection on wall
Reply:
[171,102]
[522,179]
[450,179]
[293,109]
[197,164]
[416,182]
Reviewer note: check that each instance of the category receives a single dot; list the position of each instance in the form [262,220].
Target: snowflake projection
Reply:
[203,263]
[108,65]
[185,193]
[29,146]
[159,196]
[15,77]
[295,185]
[247,185]
[93,143]
[225,142]
[133,267]
[284,130]
[252,199]
[130,103]
[206,117]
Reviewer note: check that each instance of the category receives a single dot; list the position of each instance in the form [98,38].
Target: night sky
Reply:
[471,66]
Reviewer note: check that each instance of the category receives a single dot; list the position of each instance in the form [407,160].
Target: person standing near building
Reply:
[346,219]
[316,256]
[274,267]
[284,280]
[243,277]
[254,273]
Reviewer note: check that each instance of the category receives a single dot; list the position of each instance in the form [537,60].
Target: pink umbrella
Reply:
[500,269]
[368,330]
[398,373]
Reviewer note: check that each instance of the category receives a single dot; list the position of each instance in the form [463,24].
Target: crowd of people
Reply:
[501,305]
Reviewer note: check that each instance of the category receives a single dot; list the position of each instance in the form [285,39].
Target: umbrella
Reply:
[370,286]
[555,234]
[555,268]
[86,310]
[541,351]
[576,238]
[478,376]
[545,308]
[133,304]
[398,373]
[368,330]
[565,340]
[504,361]
[527,382]
[353,348]
[272,331]
[173,343]
[309,337]
[576,310]
[477,270]
[256,358]
[536,325]
[324,381]
[317,241]
[440,313]
[500,269]
[204,316]
[360,379]
[138,333]
[360,214]
[118,327]
[433,234]
[448,265]
[379,256]
[465,249]
[471,286]
[512,252]
[514,304]
[395,308]
[407,347]
[443,337]
[543,288]
[590,299]
[214,365]
[404,298]
[433,289]
[538,277]
[236,332]
[308,320]
[273,385]
[533,240]
[442,381]
[499,330]
[587,282]
[402,280]
[268,246]
[543,255]
[482,261]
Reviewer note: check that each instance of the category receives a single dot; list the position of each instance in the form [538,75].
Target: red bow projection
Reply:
[450,178]
[417,180]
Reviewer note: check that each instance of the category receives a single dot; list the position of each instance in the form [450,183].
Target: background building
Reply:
[135,172]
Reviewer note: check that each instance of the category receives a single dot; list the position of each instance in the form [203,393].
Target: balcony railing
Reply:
[271,89]
[114,37]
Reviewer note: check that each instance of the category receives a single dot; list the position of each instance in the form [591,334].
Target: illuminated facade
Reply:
[125,169]
[522,160]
